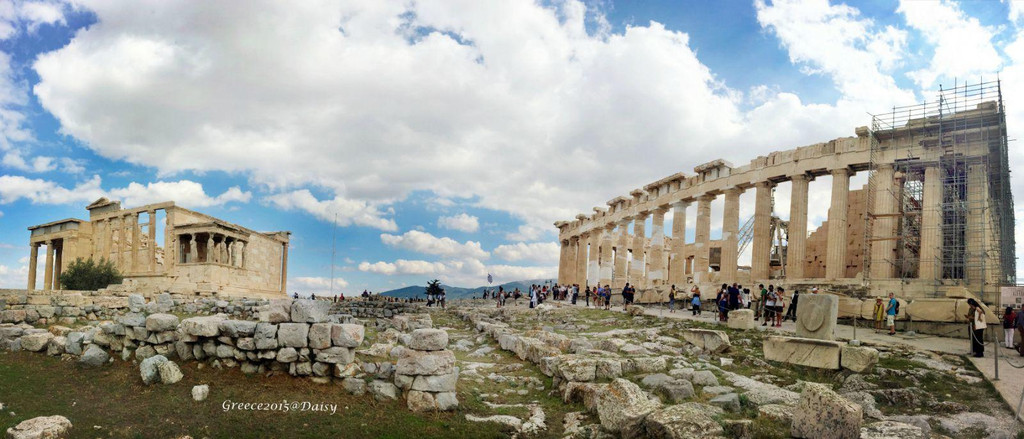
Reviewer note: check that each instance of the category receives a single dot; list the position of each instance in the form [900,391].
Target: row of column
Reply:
[52,270]
[218,251]
[601,267]
[125,251]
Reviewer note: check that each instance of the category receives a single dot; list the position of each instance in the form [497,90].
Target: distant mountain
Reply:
[417,291]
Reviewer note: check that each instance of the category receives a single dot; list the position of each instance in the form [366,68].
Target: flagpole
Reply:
[334,241]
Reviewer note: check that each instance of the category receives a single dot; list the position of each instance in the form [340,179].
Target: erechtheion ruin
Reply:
[202,254]
[936,213]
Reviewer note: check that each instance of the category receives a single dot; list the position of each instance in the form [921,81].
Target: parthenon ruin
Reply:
[201,254]
[936,213]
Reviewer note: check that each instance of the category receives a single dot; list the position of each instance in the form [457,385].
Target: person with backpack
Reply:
[695,300]
[769,306]
[890,314]
[976,317]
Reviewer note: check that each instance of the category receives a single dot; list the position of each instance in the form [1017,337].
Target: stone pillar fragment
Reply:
[284,268]
[656,276]
[152,241]
[136,241]
[730,235]
[570,264]
[170,241]
[33,261]
[581,259]
[606,256]
[761,246]
[48,273]
[677,257]
[930,267]
[796,251]
[58,261]
[594,256]
[835,262]
[637,264]
[563,261]
[702,244]
[619,277]
[883,230]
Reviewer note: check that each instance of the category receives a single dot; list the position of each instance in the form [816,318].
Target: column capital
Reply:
[733,190]
[49,242]
[764,184]
[681,204]
[641,216]
[706,198]
[660,210]
[800,176]
[845,170]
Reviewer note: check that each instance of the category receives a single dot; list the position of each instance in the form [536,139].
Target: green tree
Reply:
[88,275]
[433,289]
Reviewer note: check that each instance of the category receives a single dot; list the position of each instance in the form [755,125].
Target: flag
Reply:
[489,278]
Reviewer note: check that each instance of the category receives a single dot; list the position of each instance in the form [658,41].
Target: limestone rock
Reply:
[817,316]
[778,412]
[237,328]
[277,311]
[354,386]
[858,358]
[446,401]
[383,390]
[294,335]
[426,363]
[161,322]
[635,310]
[287,355]
[823,354]
[436,383]
[708,340]
[35,342]
[200,392]
[74,343]
[144,352]
[94,356]
[891,430]
[43,427]
[266,336]
[823,414]
[347,335]
[682,421]
[429,340]
[320,335]
[728,401]
[149,368]
[741,319]
[704,378]
[169,372]
[56,345]
[207,326]
[310,311]
[623,405]
[336,355]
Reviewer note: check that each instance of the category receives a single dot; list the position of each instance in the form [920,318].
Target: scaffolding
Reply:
[963,135]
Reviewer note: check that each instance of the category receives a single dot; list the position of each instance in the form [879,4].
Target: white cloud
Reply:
[345,211]
[467,272]
[13,159]
[528,232]
[423,242]
[184,192]
[461,222]
[962,45]
[540,252]
[403,266]
[315,285]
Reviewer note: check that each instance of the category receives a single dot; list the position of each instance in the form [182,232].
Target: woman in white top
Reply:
[769,307]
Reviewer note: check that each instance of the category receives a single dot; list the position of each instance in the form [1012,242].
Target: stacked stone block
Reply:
[427,372]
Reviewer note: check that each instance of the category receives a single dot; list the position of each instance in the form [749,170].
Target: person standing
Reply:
[1018,323]
[761,297]
[1008,318]
[976,317]
[672,299]
[746,298]
[780,305]
[791,311]
[533,297]
[695,300]
[769,306]
[625,296]
[607,297]
[586,296]
[890,314]
[879,313]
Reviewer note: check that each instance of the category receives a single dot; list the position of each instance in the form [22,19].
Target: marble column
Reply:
[48,273]
[137,241]
[284,269]
[656,276]
[730,236]
[637,265]
[570,265]
[930,266]
[677,257]
[983,264]
[761,245]
[116,246]
[621,254]
[835,259]
[883,229]
[33,261]
[170,240]
[606,255]
[581,259]
[152,241]
[58,263]
[563,258]
[796,247]
[193,248]
[594,256]
[702,244]
[241,254]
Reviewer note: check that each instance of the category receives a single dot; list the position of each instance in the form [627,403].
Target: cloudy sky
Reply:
[447,135]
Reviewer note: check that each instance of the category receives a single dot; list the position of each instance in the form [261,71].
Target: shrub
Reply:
[89,275]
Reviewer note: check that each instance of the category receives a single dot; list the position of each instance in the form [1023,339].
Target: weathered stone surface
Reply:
[708,340]
[43,427]
[56,345]
[817,316]
[623,405]
[354,386]
[682,421]
[169,372]
[336,355]
[206,326]
[704,378]
[294,335]
[436,383]
[446,401]
[237,328]
[277,311]
[35,342]
[741,319]
[823,414]
[287,355]
[858,358]
[891,430]
[200,392]
[426,363]
[935,310]
[266,336]
[383,390]
[310,311]
[161,322]
[347,335]
[730,402]
[73,345]
[823,354]
[320,335]
[573,368]
[144,352]
[429,340]
[149,368]
[776,412]
[94,356]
